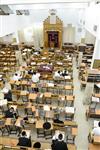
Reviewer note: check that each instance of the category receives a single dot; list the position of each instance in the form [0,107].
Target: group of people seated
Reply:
[35,77]
[25,140]
[59,73]
[57,143]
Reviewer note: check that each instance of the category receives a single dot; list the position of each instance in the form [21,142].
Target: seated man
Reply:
[95,131]
[16,77]
[24,141]
[10,113]
[30,72]
[37,145]
[35,77]
[57,74]
[64,73]
[50,63]
[7,94]
[59,144]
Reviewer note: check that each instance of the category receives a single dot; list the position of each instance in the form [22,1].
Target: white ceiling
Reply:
[2,2]
[44,4]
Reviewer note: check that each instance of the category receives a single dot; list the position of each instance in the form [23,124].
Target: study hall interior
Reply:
[50,74]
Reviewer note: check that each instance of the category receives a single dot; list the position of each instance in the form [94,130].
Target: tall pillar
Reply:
[17,38]
[96,55]
[21,36]
[81,48]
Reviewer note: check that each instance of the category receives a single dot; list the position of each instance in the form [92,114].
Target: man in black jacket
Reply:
[10,113]
[24,141]
[59,144]
[8,95]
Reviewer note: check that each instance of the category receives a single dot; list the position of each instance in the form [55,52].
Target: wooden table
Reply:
[71,147]
[8,122]
[74,131]
[33,85]
[29,105]
[18,122]
[68,87]
[70,98]
[96,139]
[24,93]
[47,95]
[95,114]
[93,147]
[49,114]
[17,83]
[39,124]
[12,81]
[97,95]
[24,82]
[70,123]
[32,96]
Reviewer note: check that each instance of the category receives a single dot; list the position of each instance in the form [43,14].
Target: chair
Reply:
[72,134]
[29,112]
[70,139]
[40,133]
[13,129]
[3,129]
[48,134]
[47,130]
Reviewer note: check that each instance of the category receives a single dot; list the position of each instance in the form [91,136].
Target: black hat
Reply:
[37,145]
[47,125]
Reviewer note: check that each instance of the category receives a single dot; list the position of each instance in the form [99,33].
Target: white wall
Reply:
[10,38]
[13,23]
[92,17]
[89,38]
[69,34]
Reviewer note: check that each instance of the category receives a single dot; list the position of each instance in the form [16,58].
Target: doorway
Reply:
[53,39]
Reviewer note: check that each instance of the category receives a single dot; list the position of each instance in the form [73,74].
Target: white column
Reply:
[17,38]
[96,54]
[80,58]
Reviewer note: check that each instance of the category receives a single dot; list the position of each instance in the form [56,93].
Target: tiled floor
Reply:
[83,125]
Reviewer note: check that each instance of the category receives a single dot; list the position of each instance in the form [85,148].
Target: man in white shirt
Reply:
[95,131]
[35,77]
[16,77]
[57,74]
[56,135]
